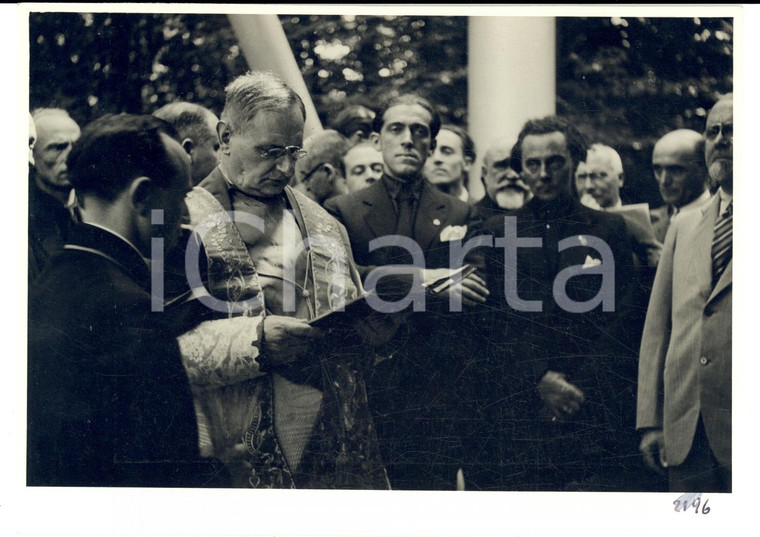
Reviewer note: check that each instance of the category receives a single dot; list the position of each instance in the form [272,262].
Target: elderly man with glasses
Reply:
[685,365]
[283,405]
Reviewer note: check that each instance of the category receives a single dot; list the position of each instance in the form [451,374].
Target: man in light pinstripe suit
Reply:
[684,392]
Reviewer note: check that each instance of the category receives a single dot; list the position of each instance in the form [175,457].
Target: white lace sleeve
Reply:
[222,352]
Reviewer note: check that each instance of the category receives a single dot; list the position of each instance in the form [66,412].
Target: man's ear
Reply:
[374,137]
[139,193]
[330,170]
[188,146]
[224,133]
[467,163]
[621,179]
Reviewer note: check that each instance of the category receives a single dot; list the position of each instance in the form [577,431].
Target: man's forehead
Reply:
[408,114]
[56,125]
[549,142]
[596,160]
[676,150]
[722,111]
[449,138]
[363,152]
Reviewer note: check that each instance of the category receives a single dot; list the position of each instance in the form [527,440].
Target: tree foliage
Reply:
[627,82]
[366,59]
[93,64]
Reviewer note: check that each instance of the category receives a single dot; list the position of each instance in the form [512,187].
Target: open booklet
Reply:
[359,308]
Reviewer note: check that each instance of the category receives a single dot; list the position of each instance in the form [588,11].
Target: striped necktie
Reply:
[722,243]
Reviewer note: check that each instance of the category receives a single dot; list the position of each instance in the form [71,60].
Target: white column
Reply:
[511,75]
[266,48]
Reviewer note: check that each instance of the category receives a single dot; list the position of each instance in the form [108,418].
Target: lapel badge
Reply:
[436,222]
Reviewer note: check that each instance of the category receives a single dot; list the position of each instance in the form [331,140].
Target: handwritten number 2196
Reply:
[683,505]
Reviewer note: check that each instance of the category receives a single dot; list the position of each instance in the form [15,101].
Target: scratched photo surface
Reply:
[481,257]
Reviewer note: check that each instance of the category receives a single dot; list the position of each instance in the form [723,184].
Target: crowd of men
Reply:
[219,302]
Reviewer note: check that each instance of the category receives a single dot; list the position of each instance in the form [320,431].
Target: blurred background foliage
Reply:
[623,81]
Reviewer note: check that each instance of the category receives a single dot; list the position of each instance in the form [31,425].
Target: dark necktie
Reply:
[405,203]
[722,243]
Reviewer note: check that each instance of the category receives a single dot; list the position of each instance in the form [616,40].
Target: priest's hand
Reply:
[287,339]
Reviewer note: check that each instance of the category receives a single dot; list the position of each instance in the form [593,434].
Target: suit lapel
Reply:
[379,213]
[701,246]
[433,208]
[723,282]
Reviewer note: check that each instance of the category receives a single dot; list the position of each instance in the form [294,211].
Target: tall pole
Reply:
[511,76]
[266,48]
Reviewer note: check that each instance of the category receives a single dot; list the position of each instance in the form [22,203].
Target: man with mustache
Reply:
[505,190]
[684,394]
[412,392]
[678,161]
[449,165]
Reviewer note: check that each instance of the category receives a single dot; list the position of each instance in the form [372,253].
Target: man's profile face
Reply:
[547,166]
[249,169]
[719,143]
[404,139]
[503,184]
[447,164]
[206,151]
[56,133]
[679,171]
[364,165]
[598,179]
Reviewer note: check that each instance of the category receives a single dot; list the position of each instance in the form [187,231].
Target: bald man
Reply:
[196,126]
[681,174]
[505,190]
[50,213]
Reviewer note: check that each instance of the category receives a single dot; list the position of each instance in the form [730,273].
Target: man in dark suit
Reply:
[411,392]
[684,394]
[559,292]
[679,168]
[109,402]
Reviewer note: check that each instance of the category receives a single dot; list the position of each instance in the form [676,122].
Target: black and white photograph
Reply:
[413,269]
